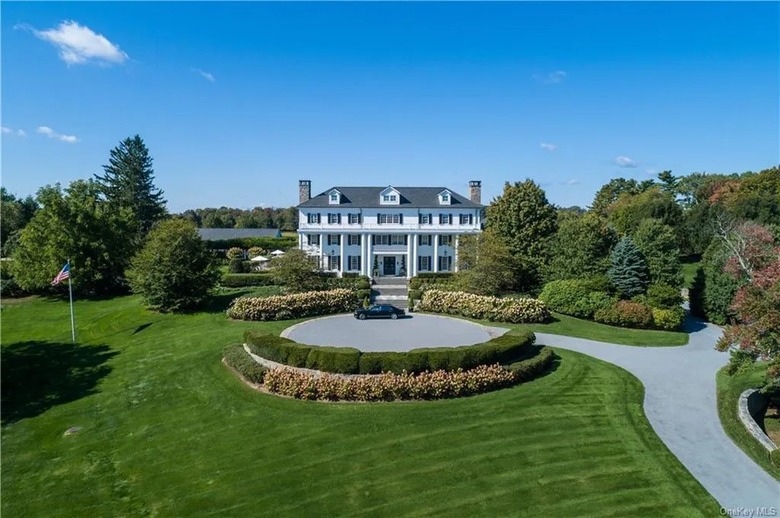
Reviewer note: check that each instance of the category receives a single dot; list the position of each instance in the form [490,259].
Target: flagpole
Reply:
[72,319]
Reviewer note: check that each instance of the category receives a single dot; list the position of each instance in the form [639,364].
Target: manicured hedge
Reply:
[237,358]
[503,349]
[626,313]
[240,280]
[389,387]
[530,368]
[520,310]
[668,319]
[297,305]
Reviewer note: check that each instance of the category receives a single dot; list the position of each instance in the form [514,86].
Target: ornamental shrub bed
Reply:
[668,319]
[347,360]
[626,313]
[522,310]
[564,296]
[241,280]
[297,305]
[237,358]
[388,386]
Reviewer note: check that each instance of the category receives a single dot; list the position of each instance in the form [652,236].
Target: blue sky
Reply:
[237,101]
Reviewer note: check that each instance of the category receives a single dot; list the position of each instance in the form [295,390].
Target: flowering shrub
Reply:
[668,319]
[235,253]
[388,387]
[255,251]
[282,307]
[483,307]
[626,313]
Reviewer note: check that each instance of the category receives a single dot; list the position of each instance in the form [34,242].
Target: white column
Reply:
[322,251]
[369,259]
[300,241]
[410,244]
[363,269]
[413,265]
[455,255]
[342,260]
[435,253]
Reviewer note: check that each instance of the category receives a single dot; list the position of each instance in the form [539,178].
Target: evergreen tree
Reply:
[629,269]
[580,248]
[526,221]
[174,270]
[128,183]
[658,245]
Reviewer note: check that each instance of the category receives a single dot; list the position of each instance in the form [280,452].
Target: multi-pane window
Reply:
[313,218]
[312,239]
[334,197]
[334,218]
[389,218]
[333,262]
[445,240]
[465,219]
[353,239]
[445,219]
[389,198]
[382,239]
[425,263]
[425,240]
[334,239]
[397,239]
[445,197]
[354,219]
[445,263]
[354,262]
[425,219]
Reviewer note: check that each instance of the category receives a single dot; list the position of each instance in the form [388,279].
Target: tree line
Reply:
[284,219]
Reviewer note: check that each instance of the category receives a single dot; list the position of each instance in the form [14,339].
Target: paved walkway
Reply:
[680,403]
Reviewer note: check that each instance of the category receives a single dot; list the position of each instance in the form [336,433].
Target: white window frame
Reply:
[333,262]
[389,219]
[445,240]
[334,198]
[313,239]
[334,239]
[334,218]
[353,237]
[445,259]
[423,260]
[354,262]
[464,219]
[445,219]
[425,240]
[354,219]
[397,239]
[381,237]
[425,219]
[313,218]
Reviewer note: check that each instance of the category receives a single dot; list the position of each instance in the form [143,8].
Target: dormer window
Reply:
[445,197]
[334,197]
[390,196]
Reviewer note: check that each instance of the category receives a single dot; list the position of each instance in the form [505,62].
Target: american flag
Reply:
[64,274]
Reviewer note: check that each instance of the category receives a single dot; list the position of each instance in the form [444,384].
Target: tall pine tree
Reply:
[128,183]
[629,269]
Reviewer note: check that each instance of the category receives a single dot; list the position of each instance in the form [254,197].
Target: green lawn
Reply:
[729,389]
[167,430]
[689,272]
[570,326]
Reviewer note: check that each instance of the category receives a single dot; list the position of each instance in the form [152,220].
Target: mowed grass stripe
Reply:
[170,431]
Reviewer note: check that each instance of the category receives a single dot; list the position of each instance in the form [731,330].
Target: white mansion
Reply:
[387,231]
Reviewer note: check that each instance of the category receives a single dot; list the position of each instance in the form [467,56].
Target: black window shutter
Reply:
[373,240]
[319,220]
[379,219]
[450,219]
[406,240]
[471,219]
[419,263]
[401,219]
[338,217]
[430,219]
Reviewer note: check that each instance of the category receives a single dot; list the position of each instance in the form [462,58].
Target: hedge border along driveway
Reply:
[680,403]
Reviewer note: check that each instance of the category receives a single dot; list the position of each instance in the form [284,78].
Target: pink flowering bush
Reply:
[297,305]
[388,387]
[522,310]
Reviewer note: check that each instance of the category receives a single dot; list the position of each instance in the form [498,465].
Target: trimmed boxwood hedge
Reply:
[530,368]
[240,280]
[347,360]
[237,358]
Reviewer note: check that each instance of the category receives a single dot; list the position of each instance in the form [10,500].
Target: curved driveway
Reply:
[680,403]
[383,334]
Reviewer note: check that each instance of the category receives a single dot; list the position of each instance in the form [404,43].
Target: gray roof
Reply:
[219,234]
[411,198]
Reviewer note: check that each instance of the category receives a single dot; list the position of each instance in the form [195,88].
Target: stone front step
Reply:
[380,298]
[390,286]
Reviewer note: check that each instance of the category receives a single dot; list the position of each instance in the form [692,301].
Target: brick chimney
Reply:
[304,190]
[475,191]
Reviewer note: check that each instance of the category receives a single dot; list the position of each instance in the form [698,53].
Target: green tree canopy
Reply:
[615,189]
[173,271]
[485,264]
[15,213]
[526,221]
[658,245]
[128,183]
[73,224]
[580,248]
[629,211]
[297,271]
[628,270]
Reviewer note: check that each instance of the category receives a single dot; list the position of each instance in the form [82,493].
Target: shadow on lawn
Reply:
[40,375]
[220,302]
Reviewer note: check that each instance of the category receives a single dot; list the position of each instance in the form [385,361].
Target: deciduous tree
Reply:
[580,248]
[485,264]
[658,245]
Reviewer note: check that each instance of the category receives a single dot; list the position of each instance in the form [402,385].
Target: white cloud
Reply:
[45,130]
[548,147]
[6,130]
[624,161]
[10,131]
[21,133]
[573,181]
[78,44]
[206,75]
[551,78]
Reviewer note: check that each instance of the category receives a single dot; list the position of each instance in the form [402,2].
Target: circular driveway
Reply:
[400,335]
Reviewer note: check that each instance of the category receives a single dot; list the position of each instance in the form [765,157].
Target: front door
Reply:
[389,265]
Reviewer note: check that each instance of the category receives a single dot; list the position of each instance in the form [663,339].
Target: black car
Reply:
[379,311]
